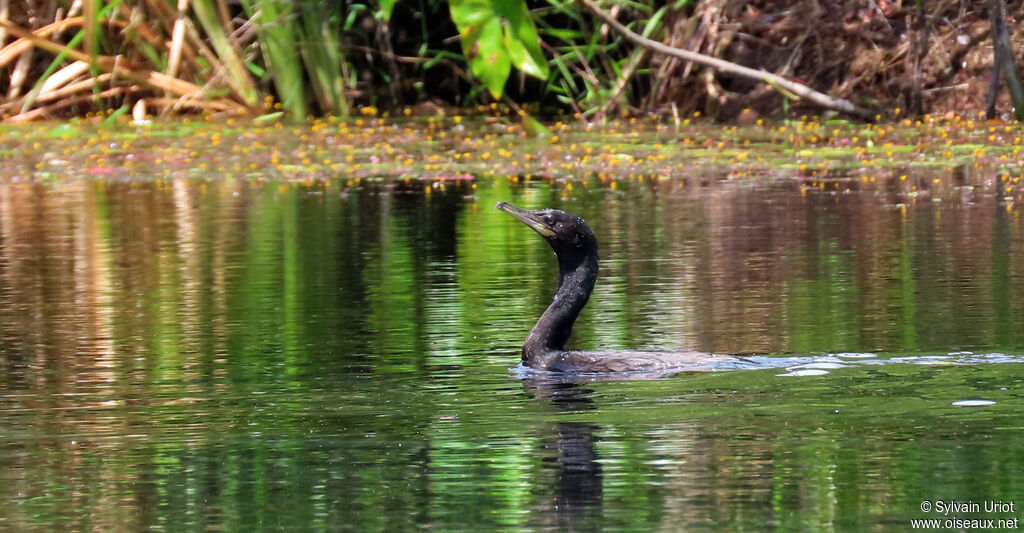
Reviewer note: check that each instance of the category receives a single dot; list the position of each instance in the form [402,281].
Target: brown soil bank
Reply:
[879,54]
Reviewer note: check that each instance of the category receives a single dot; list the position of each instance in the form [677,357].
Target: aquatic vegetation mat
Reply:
[930,157]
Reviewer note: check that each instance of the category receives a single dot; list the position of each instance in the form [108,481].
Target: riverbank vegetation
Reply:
[737,61]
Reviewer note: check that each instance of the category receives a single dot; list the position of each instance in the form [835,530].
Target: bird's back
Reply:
[637,361]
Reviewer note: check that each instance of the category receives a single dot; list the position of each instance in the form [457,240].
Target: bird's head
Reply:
[568,235]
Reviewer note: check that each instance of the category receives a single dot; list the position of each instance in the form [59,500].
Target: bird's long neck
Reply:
[576,278]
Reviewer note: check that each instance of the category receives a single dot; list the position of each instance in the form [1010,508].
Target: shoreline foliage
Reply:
[305,58]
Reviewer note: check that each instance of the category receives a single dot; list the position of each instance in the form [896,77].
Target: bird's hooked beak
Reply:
[526,217]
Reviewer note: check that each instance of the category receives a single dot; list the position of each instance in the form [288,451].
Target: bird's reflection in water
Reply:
[578,496]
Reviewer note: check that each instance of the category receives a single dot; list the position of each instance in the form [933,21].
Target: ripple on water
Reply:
[973,403]
[823,365]
[855,355]
[804,373]
[796,366]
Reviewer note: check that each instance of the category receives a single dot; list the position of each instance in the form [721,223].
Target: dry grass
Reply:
[160,58]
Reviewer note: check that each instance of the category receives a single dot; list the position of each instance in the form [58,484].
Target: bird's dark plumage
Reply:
[576,249]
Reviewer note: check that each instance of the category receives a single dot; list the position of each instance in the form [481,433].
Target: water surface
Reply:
[250,355]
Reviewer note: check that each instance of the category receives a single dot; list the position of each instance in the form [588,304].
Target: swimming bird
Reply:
[575,246]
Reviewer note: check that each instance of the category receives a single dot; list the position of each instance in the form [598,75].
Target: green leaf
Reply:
[64,131]
[521,39]
[654,22]
[269,117]
[534,128]
[385,9]
[495,35]
[112,119]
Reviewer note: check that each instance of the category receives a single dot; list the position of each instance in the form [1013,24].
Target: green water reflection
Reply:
[246,355]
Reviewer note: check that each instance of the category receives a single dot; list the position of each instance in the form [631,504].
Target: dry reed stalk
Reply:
[140,26]
[89,13]
[73,11]
[225,20]
[42,112]
[139,110]
[5,10]
[160,81]
[107,63]
[63,76]
[12,51]
[16,48]
[168,18]
[72,88]
[118,67]
[19,74]
[221,106]
[177,39]
[164,12]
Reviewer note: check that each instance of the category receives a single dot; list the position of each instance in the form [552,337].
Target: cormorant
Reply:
[576,249]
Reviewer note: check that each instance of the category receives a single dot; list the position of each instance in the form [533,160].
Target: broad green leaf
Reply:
[495,35]
[482,44]
[521,39]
